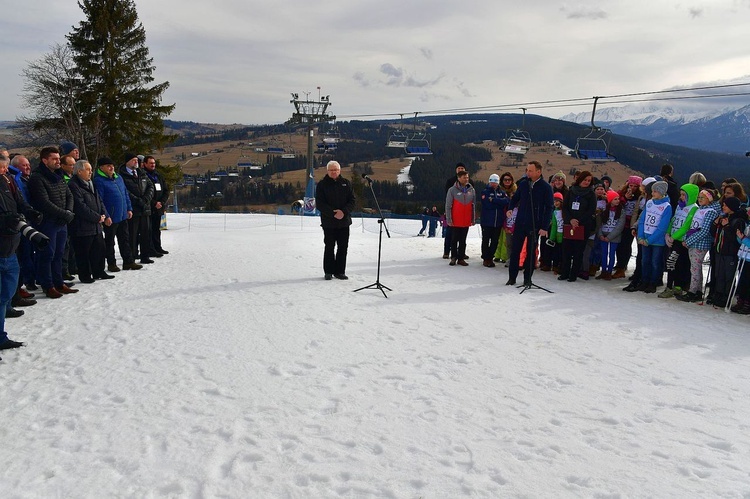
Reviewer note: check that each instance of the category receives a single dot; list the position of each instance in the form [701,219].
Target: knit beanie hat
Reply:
[104,161]
[129,156]
[660,187]
[67,147]
[495,178]
[558,195]
[611,195]
[634,180]
[732,203]
[559,174]
[709,195]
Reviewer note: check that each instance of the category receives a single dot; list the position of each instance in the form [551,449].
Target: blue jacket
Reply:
[494,204]
[656,238]
[540,194]
[114,195]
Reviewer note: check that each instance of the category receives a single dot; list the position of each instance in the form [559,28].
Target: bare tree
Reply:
[51,94]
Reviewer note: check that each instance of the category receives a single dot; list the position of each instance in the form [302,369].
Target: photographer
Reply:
[11,207]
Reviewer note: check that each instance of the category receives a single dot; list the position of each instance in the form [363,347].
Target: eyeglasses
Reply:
[507,180]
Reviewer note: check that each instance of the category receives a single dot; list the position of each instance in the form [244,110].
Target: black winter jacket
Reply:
[334,195]
[50,195]
[88,207]
[161,191]
[580,204]
[140,189]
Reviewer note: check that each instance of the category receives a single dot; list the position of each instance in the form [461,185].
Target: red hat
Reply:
[558,195]
[612,195]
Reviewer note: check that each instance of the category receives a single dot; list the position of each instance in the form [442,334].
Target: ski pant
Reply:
[490,238]
[458,242]
[696,257]
[608,251]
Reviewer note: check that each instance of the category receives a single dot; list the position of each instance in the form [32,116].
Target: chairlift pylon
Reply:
[594,145]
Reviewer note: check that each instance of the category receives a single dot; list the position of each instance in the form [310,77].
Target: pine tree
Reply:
[119,108]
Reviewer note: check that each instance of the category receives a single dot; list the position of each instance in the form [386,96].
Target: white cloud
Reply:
[233,61]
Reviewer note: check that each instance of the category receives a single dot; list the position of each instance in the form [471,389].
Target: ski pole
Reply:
[735,283]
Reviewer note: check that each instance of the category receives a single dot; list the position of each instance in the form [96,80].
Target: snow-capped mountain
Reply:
[720,124]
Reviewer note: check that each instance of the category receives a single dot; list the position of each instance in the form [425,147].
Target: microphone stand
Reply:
[381,223]
[531,251]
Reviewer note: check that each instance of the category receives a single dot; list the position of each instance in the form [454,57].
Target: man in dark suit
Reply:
[534,201]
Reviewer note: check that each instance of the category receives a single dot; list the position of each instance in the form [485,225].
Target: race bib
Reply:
[653,216]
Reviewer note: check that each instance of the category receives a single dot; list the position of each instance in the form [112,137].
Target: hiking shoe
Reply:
[113,267]
[463,263]
[632,287]
[452,262]
[667,293]
[651,288]
[132,266]
[446,256]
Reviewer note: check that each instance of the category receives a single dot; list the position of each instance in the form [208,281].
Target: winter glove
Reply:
[67,218]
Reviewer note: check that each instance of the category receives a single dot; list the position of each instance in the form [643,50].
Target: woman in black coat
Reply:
[86,231]
[579,208]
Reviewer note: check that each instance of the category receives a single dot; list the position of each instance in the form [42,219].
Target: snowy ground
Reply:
[230,368]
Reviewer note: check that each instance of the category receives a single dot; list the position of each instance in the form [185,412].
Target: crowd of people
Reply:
[587,229]
[61,219]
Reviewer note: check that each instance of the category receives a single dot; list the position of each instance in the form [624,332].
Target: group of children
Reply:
[676,230]
[676,236]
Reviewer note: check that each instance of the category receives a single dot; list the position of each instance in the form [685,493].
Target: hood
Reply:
[692,191]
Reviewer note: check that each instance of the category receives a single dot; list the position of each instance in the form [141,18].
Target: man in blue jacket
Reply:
[534,201]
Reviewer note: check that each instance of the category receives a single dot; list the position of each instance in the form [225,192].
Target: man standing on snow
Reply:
[334,198]
[534,201]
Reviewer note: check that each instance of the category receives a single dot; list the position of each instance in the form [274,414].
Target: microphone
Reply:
[364,176]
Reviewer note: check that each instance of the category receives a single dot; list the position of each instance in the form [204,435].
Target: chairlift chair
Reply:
[517,141]
[418,144]
[594,145]
[398,138]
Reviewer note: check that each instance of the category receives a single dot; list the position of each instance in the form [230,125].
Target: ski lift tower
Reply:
[310,113]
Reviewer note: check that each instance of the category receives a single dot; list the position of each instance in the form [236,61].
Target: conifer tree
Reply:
[119,104]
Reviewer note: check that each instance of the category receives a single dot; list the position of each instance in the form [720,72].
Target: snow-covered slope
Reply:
[230,368]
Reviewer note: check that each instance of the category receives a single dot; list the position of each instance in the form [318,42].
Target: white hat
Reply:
[494,178]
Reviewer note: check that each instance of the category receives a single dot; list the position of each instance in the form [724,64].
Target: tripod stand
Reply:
[381,223]
[533,238]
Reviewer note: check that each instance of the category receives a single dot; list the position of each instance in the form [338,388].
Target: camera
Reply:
[37,238]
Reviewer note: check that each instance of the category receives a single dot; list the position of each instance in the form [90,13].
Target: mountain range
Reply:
[720,124]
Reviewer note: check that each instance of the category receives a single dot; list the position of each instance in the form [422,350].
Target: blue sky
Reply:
[234,61]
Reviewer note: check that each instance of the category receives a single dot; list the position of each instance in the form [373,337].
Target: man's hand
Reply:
[338,214]
[543,233]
